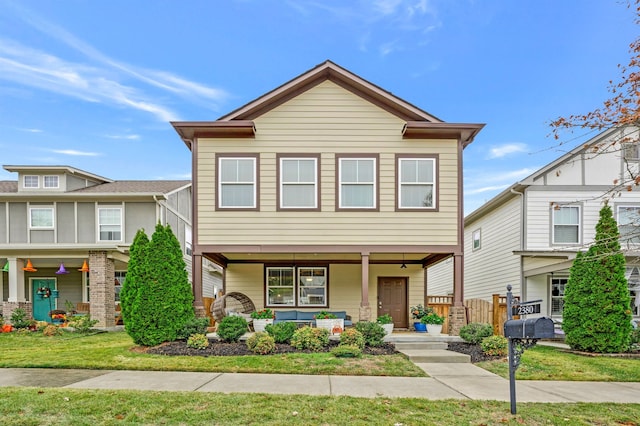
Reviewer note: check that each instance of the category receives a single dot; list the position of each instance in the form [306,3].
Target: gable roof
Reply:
[135,187]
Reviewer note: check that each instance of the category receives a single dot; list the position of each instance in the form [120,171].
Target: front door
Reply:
[392,300]
[42,304]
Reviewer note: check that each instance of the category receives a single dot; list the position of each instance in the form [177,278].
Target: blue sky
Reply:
[94,84]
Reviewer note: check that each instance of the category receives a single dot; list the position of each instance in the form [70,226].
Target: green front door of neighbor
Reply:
[42,305]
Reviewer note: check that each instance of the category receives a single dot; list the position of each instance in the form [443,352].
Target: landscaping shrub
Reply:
[232,328]
[281,332]
[347,351]
[261,343]
[313,339]
[52,330]
[193,326]
[82,323]
[198,341]
[495,345]
[373,333]
[19,319]
[352,337]
[475,332]
[635,338]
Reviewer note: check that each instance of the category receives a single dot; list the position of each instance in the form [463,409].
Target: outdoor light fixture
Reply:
[403,266]
[62,270]
[6,267]
[85,267]
[29,267]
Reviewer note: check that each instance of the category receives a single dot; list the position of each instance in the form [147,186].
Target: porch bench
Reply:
[308,317]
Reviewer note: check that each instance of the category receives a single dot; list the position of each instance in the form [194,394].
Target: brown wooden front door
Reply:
[392,300]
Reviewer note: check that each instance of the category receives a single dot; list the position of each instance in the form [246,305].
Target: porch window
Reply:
[280,287]
[41,218]
[629,225]
[120,276]
[633,280]
[357,183]
[51,182]
[312,286]
[237,185]
[110,224]
[416,183]
[31,181]
[298,183]
[566,225]
[558,286]
[296,286]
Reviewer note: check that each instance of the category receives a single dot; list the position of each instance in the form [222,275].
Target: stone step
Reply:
[435,356]
[421,345]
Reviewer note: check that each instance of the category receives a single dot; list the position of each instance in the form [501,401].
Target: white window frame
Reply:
[624,240]
[30,185]
[631,151]
[119,279]
[99,224]
[284,184]
[373,184]
[300,298]
[292,287]
[307,300]
[40,208]
[432,182]
[188,241]
[254,182]
[54,178]
[556,208]
[558,300]
[476,236]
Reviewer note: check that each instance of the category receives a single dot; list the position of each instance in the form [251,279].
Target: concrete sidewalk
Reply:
[447,381]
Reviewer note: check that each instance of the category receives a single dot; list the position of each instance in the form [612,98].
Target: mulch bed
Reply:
[475,351]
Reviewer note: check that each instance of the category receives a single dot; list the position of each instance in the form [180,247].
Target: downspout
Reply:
[522,234]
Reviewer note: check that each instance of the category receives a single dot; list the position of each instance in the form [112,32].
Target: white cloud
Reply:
[75,152]
[126,137]
[506,149]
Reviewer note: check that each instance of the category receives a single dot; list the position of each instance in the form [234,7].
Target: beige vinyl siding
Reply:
[330,121]
[488,270]
[247,279]
[440,278]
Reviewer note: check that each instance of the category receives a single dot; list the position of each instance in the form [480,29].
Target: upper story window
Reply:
[110,224]
[298,182]
[357,183]
[31,181]
[51,181]
[237,183]
[631,151]
[41,218]
[475,237]
[566,225]
[629,225]
[188,241]
[416,183]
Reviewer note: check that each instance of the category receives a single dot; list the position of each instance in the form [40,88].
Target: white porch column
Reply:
[16,280]
[365,309]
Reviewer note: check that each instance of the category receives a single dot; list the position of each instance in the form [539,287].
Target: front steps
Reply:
[428,349]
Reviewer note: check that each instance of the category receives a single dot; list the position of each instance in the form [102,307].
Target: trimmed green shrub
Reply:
[261,343]
[129,294]
[313,339]
[495,345]
[597,307]
[193,326]
[282,332]
[373,333]
[347,351]
[352,337]
[232,328]
[198,341]
[82,323]
[475,332]
[19,319]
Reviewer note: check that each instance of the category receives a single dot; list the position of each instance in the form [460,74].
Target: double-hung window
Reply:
[31,181]
[188,241]
[41,217]
[629,225]
[51,181]
[301,286]
[416,183]
[110,224]
[357,182]
[475,237]
[558,286]
[566,224]
[237,182]
[298,182]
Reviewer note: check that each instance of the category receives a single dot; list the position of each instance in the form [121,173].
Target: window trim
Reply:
[106,207]
[436,182]
[256,181]
[24,181]
[53,217]
[561,277]
[473,239]
[44,181]
[188,242]
[623,240]
[296,287]
[554,208]
[279,192]
[376,182]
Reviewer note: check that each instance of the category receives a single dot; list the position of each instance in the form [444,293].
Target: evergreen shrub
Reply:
[373,333]
[282,332]
[347,351]
[193,326]
[232,328]
[352,337]
[475,332]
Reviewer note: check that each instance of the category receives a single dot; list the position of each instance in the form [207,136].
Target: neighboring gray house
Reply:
[59,218]
[529,234]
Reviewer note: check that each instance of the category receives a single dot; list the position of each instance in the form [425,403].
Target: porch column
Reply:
[365,308]
[196,278]
[16,297]
[102,294]
[457,312]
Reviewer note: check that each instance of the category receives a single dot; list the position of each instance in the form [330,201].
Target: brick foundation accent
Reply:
[102,294]
[457,319]
[9,307]
[364,313]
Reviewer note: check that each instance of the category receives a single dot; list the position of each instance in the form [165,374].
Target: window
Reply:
[309,289]
[237,182]
[631,151]
[476,239]
[566,224]
[188,238]
[31,181]
[629,225]
[633,279]
[120,276]
[41,218]
[557,295]
[416,183]
[51,181]
[110,224]
[298,183]
[357,183]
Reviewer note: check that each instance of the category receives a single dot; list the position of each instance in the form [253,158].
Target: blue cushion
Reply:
[307,316]
[286,315]
[340,314]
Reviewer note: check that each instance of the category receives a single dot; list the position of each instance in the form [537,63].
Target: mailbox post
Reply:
[523,334]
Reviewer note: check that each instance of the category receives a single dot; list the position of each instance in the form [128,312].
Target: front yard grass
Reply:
[116,351]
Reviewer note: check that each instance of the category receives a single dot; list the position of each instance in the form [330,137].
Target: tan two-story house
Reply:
[329,192]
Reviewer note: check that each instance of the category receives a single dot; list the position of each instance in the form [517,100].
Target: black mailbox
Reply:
[532,328]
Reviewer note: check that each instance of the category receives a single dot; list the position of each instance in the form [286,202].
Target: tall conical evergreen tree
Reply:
[135,276]
[597,315]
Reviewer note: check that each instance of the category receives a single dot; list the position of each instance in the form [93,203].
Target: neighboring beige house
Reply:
[55,216]
[529,234]
[329,192]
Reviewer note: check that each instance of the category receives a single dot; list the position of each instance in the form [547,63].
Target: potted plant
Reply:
[262,318]
[417,313]
[386,322]
[328,320]
[433,322]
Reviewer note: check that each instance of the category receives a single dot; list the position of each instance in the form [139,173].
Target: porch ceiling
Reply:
[323,257]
